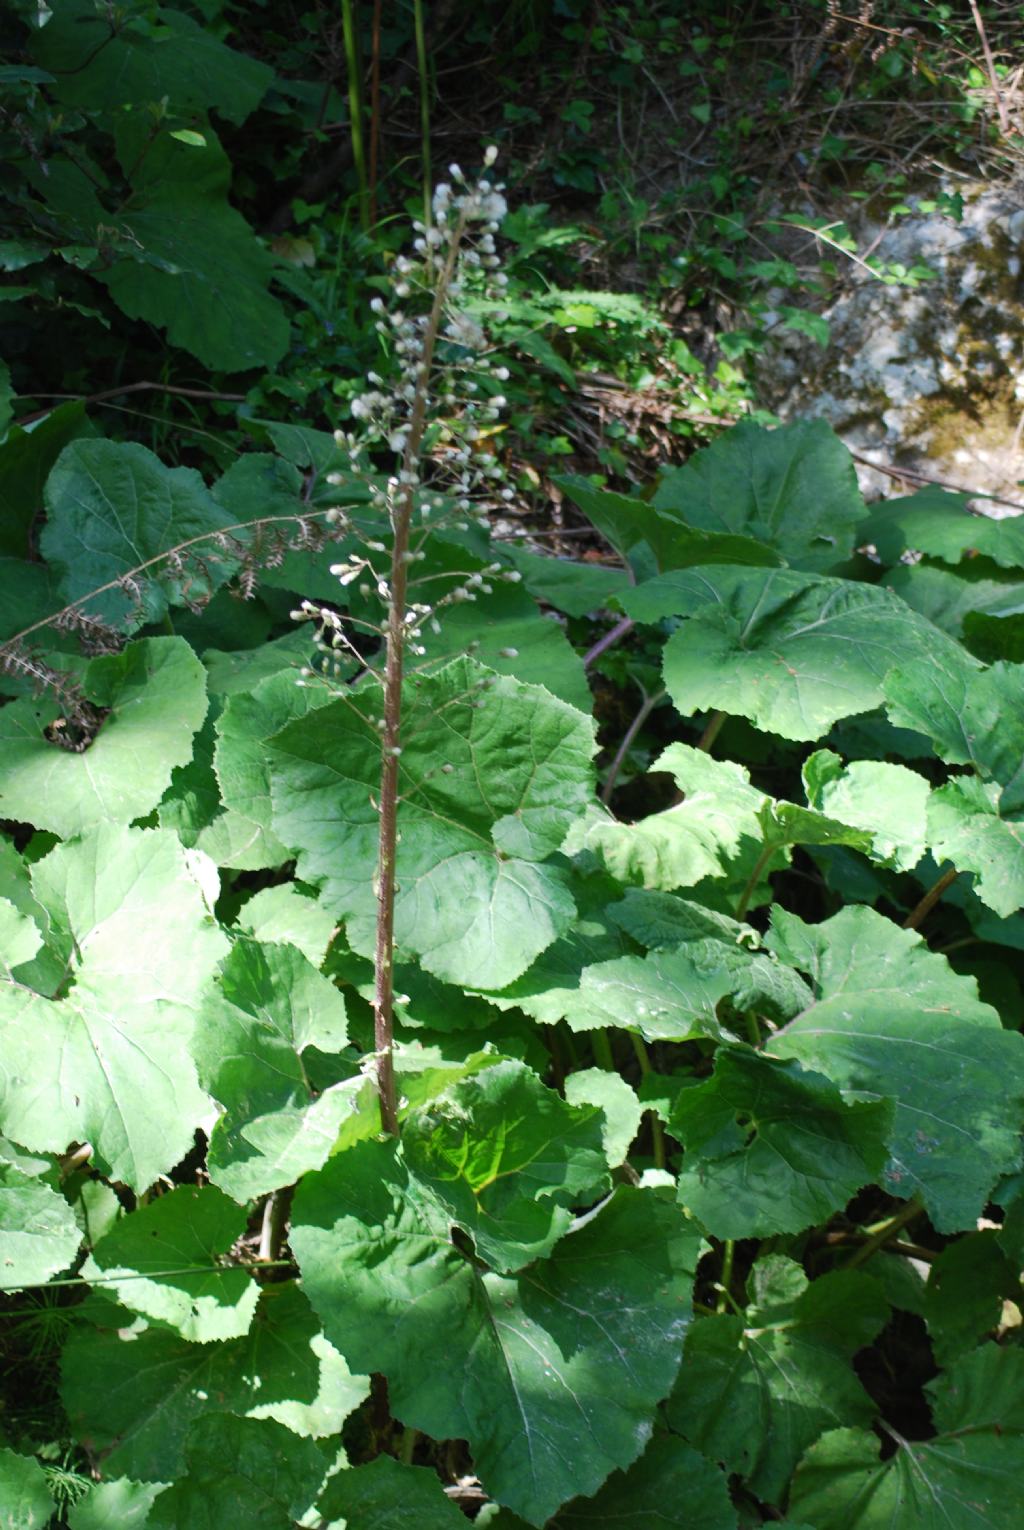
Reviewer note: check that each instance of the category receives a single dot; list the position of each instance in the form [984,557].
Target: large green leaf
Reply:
[38,1232]
[26,457]
[973,716]
[244,1471]
[755,1391]
[889,802]
[770,1148]
[111,507]
[476,900]
[965,825]
[559,1370]
[697,838]
[131,1396]
[671,1486]
[145,59]
[269,1004]
[385,1495]
[243,772]
[117,1505]
[575,588]
[970,1474]
[166,1262]
[968,1285]
[793,488]
[24,1492]
[190,262]
[153,696]
[108,1062]
[663,996]
[509,1158]
[794,652]
[941,524]
[894,1021]
[631,523]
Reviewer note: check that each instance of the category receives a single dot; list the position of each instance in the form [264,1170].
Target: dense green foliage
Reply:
[705,1206]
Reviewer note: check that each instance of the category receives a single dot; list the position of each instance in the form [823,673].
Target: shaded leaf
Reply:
[892,1020]
[588,1339]
[131,1396]
[38,1232]
[154,695]
[969,1474]
[143,1259]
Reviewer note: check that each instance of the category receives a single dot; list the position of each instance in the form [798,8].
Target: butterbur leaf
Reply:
[132,1396]
[965,825]
[20,938]
[889,802]
[941,524]
[698,838]
[389,1496]
[973,716]
[575,588]
[617,1100]
[244,1471]
[154,695]
[772,1149]
[892,1020]
[166,1262]
[187,63]
[243,772]
[560,1369]
[24,1491]
[793,488]
[121,1503]
[663,996]
[285,915]
[267,1006]
[967,1286]
[38,1232]
[112,506]
[508,1157]
[191,263]
[755,1391]
[125,1081]
[478,899]
[970,1473]
[629,524]
[793,652]
[669,1487]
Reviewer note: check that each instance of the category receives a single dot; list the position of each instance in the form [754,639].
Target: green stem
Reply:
[355,108]
[712,730]
[423,66]
[725,1298]
[753,1028]
[407,1445]
[168,625]
[602,1049]
[907,1213]
[918,915]
[755,876]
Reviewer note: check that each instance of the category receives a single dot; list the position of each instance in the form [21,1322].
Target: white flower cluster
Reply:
[435,406]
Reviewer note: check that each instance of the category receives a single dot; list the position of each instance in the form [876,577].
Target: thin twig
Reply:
[135,387]
[993,78]
[610,638]
[942,483]
[649,703]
